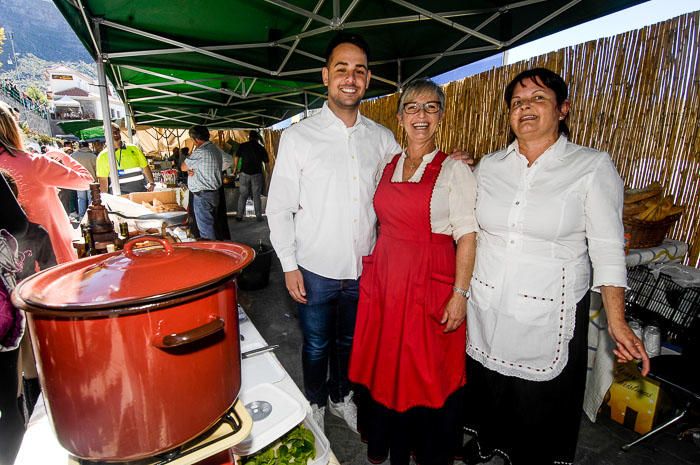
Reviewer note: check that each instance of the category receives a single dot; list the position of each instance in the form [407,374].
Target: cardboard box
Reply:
[635,401]
[166,196]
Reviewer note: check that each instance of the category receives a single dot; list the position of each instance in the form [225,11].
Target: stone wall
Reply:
[35,122]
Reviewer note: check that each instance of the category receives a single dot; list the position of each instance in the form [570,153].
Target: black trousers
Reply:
[11,421]
[529,422]
[431,436]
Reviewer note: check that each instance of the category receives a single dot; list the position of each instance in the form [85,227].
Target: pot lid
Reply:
[133,276]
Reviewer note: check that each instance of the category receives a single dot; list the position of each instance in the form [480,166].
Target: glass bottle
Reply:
[636,328]
[652,340]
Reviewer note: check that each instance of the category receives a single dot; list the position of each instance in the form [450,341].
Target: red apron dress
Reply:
[400,352]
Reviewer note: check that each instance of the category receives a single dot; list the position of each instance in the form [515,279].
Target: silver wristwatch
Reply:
[466,293]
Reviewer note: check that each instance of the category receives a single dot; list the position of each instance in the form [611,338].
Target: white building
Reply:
[76,96]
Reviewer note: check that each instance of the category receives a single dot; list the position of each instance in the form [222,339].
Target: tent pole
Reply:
[306,105]
[130,136]
[398,75]
[106,122]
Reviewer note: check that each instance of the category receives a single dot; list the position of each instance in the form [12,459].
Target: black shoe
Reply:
[470,453]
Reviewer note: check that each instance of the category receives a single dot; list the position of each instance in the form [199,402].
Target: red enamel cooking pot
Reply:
[138,351]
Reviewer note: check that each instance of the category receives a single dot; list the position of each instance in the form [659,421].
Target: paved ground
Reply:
[274,314]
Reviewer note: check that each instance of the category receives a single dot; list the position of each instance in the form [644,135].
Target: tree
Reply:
[36,94]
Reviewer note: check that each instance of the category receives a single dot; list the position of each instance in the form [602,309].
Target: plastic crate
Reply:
[642,284]
[662,302]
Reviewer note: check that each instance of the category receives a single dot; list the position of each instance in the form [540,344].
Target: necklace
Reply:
[413,164]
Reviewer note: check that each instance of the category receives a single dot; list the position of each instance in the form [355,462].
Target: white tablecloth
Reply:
[600,355]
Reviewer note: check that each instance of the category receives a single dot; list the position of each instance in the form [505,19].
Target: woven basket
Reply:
[644,234]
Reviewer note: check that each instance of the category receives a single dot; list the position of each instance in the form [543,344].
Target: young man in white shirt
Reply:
[322,221]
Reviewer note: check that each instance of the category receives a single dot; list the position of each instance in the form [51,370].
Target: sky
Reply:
[636,17]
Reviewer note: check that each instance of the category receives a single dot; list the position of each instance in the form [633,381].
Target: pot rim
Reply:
[128,304]
[91,310]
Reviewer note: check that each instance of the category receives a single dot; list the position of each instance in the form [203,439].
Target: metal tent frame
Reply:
[244,64]
[183,79]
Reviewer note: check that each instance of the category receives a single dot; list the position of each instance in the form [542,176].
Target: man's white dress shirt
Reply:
[319,206]
[541,227]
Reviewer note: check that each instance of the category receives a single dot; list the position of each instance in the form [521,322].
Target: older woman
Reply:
[37,177]
[546,210]
[410,333]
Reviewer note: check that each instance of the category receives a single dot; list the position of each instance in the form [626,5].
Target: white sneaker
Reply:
[318,414]
[345,409]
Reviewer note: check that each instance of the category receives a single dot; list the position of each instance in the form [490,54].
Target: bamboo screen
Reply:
[634,95]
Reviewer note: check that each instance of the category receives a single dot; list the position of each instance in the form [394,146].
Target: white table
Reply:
[40,446]
[600,356]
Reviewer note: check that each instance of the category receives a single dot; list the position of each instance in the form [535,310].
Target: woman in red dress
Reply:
[410,337]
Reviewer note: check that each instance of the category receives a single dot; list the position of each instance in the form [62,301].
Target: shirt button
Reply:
[512,225]
[512,242]
[518,202]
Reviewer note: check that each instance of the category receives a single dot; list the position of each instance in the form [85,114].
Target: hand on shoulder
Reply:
[464,157]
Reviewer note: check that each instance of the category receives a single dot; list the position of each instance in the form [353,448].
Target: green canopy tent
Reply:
[95,133]
[74,127]
[244,64]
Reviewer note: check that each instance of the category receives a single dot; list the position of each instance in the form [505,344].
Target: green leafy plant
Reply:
[296,447]
[37,94]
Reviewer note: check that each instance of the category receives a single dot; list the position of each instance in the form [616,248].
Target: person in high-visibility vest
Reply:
[134,173]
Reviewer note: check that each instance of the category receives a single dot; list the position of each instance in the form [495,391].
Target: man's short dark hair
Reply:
[199,132]
[346,38]
[82,144]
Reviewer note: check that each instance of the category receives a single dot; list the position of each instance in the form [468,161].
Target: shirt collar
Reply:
[427,158]
[557,149]
[329,118]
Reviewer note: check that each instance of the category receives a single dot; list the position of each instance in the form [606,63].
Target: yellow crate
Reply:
[635,401]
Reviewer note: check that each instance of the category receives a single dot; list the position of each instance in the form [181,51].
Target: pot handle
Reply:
[170,341]
[129,246]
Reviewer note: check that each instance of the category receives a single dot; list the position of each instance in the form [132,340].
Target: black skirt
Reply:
[525,421]
[431,436]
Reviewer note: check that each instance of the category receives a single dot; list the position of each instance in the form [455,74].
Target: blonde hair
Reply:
[10,133]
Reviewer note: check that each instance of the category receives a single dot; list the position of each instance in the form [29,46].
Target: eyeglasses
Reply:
[414,107]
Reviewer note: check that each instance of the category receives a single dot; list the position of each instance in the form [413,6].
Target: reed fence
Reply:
[634,95]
